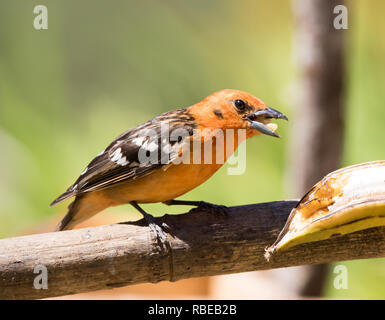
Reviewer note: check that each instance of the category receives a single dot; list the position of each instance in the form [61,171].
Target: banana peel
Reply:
[345,201]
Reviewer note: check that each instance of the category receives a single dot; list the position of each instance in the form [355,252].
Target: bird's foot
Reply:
[161,238]
[201,206]
[212,208]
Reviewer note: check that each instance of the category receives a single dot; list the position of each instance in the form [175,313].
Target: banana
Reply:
[344,201]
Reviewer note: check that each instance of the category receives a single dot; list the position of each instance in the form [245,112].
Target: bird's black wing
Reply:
[135,153]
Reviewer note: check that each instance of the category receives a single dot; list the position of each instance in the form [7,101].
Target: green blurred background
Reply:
[103,67]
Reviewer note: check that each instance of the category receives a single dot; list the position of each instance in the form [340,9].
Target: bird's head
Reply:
[234,109]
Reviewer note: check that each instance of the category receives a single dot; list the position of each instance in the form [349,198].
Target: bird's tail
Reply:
[78,211]
[68,194]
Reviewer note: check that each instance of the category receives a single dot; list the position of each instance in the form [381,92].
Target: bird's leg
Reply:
[161,237]
[201,206]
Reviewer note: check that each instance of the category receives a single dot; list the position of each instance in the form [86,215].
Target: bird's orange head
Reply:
[234,109]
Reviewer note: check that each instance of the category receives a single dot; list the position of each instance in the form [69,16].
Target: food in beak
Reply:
[266,128]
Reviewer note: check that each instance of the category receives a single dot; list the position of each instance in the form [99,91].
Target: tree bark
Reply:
[318,124]
[317,129]
[203,244]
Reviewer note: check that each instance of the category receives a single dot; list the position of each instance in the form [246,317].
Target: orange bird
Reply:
[140,166]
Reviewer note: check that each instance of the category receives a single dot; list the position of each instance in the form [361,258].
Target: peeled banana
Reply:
[344,201]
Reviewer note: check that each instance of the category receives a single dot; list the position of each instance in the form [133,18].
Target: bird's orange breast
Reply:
[172,180]
[161,185]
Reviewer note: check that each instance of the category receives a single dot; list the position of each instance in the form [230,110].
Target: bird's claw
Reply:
[161,237]
[158,231]
[166,227]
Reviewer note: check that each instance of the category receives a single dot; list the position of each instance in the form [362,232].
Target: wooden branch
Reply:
[203,244]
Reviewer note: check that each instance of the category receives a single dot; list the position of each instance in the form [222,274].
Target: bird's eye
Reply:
[240,104]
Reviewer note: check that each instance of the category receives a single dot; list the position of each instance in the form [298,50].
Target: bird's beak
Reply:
[267,113]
